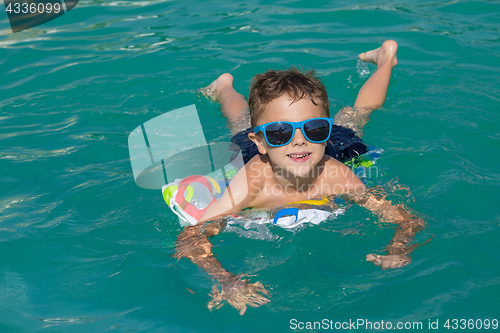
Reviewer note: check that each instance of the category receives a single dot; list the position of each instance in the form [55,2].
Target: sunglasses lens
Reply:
[317,130]
[279,133]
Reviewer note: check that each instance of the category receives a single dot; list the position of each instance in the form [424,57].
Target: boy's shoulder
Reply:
[253,174]
[257,170]
[334,169]
[338,178]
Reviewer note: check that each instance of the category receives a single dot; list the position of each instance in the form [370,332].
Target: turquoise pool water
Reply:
[83,249]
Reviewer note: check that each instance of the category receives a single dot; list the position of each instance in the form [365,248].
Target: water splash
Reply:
[363,72]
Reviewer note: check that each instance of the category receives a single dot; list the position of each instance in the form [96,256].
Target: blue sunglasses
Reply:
[280,133]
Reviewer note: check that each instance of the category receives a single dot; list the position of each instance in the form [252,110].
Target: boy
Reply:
[289,114]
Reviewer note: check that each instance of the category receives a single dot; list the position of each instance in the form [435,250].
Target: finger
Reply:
[404,261]
[395,261]
[263,300]
[374,258]
[257,303]
[242,309]
[386,263]
[258,300]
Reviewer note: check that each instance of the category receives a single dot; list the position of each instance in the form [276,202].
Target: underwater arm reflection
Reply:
[193,243]
[398,249]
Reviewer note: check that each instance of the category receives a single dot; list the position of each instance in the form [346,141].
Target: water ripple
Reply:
[55,321]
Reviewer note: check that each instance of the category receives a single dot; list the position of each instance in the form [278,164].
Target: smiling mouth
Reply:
[304,155]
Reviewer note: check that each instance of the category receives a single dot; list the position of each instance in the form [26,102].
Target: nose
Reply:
[298,138]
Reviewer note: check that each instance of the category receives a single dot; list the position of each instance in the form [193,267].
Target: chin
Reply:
[301,171]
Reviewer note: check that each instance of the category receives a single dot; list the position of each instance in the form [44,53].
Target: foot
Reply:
[386,53]
[215,89]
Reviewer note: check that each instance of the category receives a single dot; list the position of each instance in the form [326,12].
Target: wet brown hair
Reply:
[274,83]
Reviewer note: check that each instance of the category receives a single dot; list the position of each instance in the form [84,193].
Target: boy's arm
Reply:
[193,243]
[398,249]
[244,186]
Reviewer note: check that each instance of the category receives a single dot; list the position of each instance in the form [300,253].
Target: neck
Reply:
[289,181]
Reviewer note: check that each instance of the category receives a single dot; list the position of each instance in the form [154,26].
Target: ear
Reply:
[259,142]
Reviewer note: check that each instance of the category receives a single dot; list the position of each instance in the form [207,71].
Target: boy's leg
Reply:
[372,95]
[233,105]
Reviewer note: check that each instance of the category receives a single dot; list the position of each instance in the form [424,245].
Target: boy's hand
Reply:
[239,293]
[389,261]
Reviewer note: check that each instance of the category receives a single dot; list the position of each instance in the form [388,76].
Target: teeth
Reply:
[298,156]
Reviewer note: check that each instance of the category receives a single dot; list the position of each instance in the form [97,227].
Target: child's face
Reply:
[300,156]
